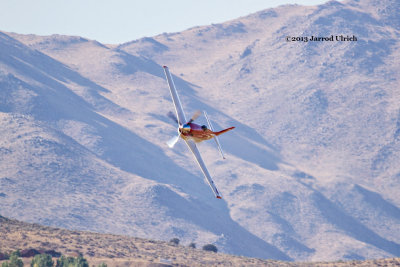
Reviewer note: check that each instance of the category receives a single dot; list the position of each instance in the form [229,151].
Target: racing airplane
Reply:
[193,133]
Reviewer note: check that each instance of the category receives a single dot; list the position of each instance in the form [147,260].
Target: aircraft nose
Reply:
[185,128]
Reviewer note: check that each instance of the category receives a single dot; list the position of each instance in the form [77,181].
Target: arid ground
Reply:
[118,250]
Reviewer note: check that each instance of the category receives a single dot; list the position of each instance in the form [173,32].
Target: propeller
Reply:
[171,142]
[195,116]
[172,117]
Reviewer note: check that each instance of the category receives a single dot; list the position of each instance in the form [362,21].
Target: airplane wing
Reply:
[175,98]
[191,144]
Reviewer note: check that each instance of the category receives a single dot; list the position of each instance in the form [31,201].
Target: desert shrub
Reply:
[192,245]
[81,262]
[210,247]
[16,253]
[3,256]
[72,262]
[42,260]
[53,253]
[29,252]
[65,261]
[175,241]
[15,261]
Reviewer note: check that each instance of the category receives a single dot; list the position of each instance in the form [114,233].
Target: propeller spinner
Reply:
[182,128]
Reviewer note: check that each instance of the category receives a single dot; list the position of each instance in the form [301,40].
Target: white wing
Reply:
[175,98]
[203,167]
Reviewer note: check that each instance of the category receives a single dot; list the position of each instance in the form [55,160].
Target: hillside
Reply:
[129,251]
[313,164]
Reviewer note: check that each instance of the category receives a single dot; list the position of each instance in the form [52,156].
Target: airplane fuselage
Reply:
[199,133]
[196,132]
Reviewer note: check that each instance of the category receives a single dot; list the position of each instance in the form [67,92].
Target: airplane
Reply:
[193,133]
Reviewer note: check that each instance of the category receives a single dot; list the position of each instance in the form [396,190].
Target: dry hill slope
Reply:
[117,250]
[63,145]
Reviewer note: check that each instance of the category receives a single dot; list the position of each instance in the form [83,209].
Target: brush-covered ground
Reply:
[118,250]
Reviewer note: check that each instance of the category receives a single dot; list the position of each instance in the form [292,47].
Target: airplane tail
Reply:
[224,131]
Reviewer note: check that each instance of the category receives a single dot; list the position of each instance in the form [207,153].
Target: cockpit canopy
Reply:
[186,128]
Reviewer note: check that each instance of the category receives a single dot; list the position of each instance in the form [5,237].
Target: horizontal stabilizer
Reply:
[224,131]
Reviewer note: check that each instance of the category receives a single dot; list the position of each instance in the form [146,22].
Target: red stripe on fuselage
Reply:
[198,134]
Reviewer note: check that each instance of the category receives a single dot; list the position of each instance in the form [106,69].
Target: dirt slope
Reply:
[118,250]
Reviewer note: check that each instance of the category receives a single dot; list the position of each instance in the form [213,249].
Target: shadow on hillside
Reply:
[377,201]
[244,142]
[216,219]
[51,73]
[285,237]
[351,226]
[54,102]
[133,64]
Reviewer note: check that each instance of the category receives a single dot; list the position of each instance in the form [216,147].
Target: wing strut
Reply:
[215,137]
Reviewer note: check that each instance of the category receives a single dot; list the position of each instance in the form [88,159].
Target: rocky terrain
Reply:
[117,250]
